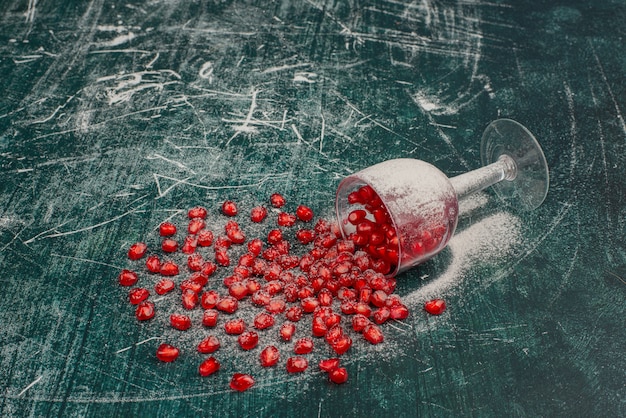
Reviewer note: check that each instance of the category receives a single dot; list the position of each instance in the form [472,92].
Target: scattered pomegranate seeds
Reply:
[435,306]
[241,382]
[317,282]
[208,367]
[137,250]
[167,353]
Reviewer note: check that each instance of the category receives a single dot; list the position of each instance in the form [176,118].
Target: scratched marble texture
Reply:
[117,115]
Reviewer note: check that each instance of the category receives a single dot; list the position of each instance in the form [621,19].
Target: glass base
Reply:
[528,189]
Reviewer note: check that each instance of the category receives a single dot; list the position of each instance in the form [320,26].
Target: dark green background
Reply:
[111,121]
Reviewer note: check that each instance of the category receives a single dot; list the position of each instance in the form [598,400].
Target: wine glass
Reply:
[404,211]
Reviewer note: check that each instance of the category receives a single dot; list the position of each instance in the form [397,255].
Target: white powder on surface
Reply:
[486,241]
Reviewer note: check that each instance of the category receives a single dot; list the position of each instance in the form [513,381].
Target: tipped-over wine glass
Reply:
[404,211]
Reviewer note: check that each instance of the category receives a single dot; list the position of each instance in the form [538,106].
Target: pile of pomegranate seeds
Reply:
[312,290]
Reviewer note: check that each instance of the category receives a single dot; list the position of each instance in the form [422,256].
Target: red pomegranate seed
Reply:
[189,245]
[248,340]
[205,238]
[209,299]
[381,315]
[241,382]
[373,334]
[197,212]
[127,278]
[222,258]
[169,245]
[304,213]
[195,226]
[180,322]
[164,286]
[363,309]
[328,365]
[359,322]
[209,345]
[209,268]
[229,208]
[342,344]
[235,326]
[199,278]
[286,219]
[167,229]
[309,304]
[398,312]
[261,298]
[189,299]
[334,333]
[144,311]
[338,375]
[195,262]
[294,313]
[169,268]
[236,236]
[167,353]
[238,290]
[153,264]
[305,236]
[303,346]
[209,318]
[276,305]
[435,306]
[325,297]
[277,200]
[255,246]
[228,304]
[274,236]
[208,367]
[269,356]
[297,364]
[138,295]
[287,330]
[137,250]
[258,214]
[263,321]
[318,327]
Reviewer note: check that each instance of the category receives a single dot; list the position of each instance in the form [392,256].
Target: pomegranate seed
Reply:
[303,346]
[373,334]
[127,278]
[255,246]
[305,236]
[189,299]
[167,353]
[248,340]
[209,268]
[258,214]
[304,213]
[209,345]
[398,312]
[153,264]
[359,322]
[286,219]
[277,200]
[435,306]
[363,309]
[276,305]
[236,236]
[195,262]
[209,299]
[269,356]
[195,226]
[209,318]
[261,298]
[180,322]
[208,367]
[169,245]
[294,313]
[137,250]
[164,286]
[205,238]
[342,344]
[235,327]
[138,295]
[222,258]
[338,375]
[274,236]
[319,328]
[241,382]
[309,304]
[238,290]
[228,304]
[328,365]
[263,321]
[144,311]
[287,330]
[334,333]
[222,243]
[378,298]
[381,315]
[297,364]
[325,297]
[229,208]
[167,229]
[197,212]
[169,268]
[189,245]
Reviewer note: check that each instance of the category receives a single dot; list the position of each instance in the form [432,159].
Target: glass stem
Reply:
[477,180]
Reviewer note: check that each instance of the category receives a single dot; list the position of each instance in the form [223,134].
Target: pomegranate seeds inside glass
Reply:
[404,211]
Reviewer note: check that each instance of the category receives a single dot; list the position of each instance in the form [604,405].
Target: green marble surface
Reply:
[115,116]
